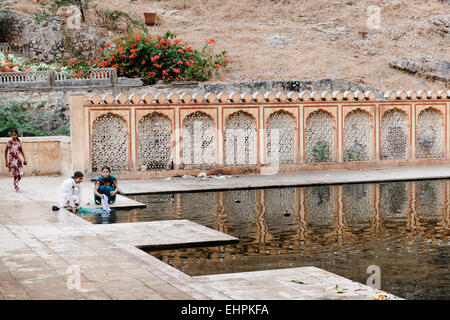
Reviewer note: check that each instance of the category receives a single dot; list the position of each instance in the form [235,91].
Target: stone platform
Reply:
[287,179]
[43,253]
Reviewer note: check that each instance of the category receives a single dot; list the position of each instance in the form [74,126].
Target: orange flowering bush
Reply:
[156,58]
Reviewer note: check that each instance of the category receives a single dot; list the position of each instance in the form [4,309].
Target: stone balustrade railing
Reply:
[15,77]
[51,79]
[5,47]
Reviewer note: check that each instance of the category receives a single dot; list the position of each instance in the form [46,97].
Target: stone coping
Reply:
[64,139]
[235,97]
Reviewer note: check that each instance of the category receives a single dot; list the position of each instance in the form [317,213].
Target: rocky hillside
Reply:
[408,47]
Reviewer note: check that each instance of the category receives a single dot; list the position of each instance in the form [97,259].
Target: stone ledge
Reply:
[223,97]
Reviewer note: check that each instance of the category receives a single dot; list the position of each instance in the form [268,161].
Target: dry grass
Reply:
[357,53]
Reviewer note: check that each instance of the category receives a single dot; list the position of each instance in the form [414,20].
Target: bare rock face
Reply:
[440,24]
[425,66]
[278,41]
[50,41]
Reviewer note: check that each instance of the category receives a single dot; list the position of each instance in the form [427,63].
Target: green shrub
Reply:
[321,151]
[158,58]
[29,121]
[110,20]
[50,7]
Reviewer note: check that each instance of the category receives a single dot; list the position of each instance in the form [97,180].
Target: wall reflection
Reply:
[401,226]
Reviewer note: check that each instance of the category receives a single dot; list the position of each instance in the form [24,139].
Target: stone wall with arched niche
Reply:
[109,143]
[155,142]
[198,141]
[429,134]
[394,135]
[240,140]
[358,137]
[320,137]
[280,137]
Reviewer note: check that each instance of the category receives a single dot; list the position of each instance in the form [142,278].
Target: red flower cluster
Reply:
[158,58]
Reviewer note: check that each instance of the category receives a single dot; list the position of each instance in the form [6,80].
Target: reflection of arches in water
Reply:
[240,210]
[357,205]
[320,206]
[278,203]
[394,198]
[429,201]
[199,207]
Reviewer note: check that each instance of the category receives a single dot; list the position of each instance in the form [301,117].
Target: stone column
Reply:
[78,133]
[339,135]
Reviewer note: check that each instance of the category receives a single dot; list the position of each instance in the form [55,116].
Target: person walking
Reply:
[12,158]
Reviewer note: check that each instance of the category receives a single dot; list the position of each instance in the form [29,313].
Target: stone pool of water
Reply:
[402,227]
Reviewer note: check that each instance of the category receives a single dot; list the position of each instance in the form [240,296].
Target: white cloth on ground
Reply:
[69,193]
[105,204]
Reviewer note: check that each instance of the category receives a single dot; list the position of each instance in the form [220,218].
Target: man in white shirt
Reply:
[69,195]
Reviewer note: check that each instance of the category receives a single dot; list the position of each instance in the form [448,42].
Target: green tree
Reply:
[29,121]
[5,19]
[50,7]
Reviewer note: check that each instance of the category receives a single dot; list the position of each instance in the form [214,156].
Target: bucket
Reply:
[150,18]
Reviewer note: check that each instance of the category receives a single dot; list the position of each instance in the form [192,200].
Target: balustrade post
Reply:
[51,78]
[114,77]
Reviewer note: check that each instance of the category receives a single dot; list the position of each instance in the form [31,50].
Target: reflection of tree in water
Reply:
[321,194]
[199,207]
[278,203]
[357,204]
[240,210]
[429,200]
[320,206]
[393,200]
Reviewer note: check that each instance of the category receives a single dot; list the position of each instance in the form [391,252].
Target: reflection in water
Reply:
[401,227]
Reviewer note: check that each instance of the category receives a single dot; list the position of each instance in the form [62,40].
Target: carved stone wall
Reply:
[320,137]
[394,135]
[327,130]
[198,141]
[155,142]
[282,125]
[429,134]
[109,143]
[357,136]
[240,140]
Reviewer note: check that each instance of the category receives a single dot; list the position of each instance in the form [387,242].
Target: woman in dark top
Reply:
[106,185]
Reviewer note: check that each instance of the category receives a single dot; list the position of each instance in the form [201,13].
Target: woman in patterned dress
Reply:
[14,162]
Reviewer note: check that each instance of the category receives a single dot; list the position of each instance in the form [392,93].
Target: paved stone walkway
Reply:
[179,184]
[42,252]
